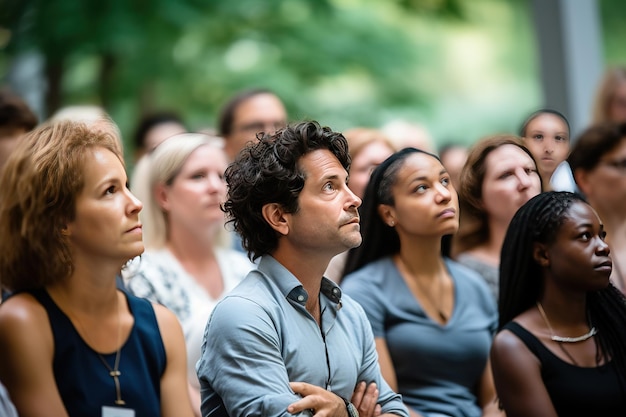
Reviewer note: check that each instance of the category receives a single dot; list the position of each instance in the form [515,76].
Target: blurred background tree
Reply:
[463,69]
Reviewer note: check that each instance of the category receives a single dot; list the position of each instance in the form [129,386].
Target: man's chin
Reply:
[354,243]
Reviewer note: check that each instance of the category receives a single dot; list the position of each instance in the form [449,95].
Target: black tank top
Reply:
[575,390]
[83,380]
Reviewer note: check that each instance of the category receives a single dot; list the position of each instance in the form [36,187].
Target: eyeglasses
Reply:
[619,164]
[255,127]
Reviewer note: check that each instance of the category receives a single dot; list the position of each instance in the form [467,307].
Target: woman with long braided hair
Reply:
[561,348]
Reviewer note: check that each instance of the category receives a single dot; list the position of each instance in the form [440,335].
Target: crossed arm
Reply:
[242,369]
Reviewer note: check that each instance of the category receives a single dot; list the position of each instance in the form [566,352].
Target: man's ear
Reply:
[387,214]
[275,216]
[540,255]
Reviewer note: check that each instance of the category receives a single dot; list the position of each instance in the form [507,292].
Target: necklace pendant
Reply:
[120,402]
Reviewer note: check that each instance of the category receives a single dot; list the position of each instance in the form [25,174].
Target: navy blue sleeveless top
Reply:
[83,380]
[575,390]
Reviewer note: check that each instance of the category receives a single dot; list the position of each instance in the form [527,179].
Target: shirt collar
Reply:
[291,287]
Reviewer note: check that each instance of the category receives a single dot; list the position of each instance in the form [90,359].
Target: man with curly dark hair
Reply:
[285,341]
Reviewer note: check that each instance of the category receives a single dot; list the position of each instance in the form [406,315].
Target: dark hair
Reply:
[227,115]
[449,146]
[15,113]
[539,220]
[148,121]
[379,239]
[540,112]
[269,172]
[594,143]
[474,226]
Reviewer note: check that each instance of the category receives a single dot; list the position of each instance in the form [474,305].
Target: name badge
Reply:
[117,412]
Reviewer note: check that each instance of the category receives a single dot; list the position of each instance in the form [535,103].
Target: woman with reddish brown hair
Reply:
[500,175]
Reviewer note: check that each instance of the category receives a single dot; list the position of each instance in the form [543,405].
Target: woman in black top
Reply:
[561,350]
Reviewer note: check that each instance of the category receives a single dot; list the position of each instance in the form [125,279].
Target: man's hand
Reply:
[365,399]
[323,403]
[326,403]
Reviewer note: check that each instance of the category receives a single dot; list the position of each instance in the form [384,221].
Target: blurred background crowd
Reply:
[460,69]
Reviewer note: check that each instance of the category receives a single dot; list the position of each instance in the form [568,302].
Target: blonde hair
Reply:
[161,166]
[40,184]
[359,137]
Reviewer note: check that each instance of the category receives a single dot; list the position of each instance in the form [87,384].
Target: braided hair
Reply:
[539,220]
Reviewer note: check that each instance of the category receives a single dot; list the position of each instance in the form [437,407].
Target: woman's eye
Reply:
[110,190]
[538,137]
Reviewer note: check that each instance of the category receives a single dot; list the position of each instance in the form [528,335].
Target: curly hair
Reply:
[269,172]
[40,184]
[521,282]
[474,228]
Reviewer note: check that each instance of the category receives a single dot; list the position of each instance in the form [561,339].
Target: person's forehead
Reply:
[320,164]
[260,106]
[505,155]
[580,213]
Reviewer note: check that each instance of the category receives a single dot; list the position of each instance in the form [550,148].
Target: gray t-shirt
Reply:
[437,366]
[488,272]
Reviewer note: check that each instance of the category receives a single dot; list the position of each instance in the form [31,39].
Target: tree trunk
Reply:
[105,80]
[54,81]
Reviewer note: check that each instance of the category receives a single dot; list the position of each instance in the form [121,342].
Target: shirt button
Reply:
[301,298]
[335,291]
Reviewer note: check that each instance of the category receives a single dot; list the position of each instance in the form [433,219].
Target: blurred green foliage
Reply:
[464,69]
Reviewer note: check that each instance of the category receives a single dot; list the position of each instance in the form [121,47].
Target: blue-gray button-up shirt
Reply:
[260,337]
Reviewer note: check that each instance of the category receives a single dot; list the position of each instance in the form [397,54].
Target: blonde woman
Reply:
[188,265]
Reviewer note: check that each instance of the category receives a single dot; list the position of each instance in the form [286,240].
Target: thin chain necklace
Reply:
[437,306]
[113,372]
